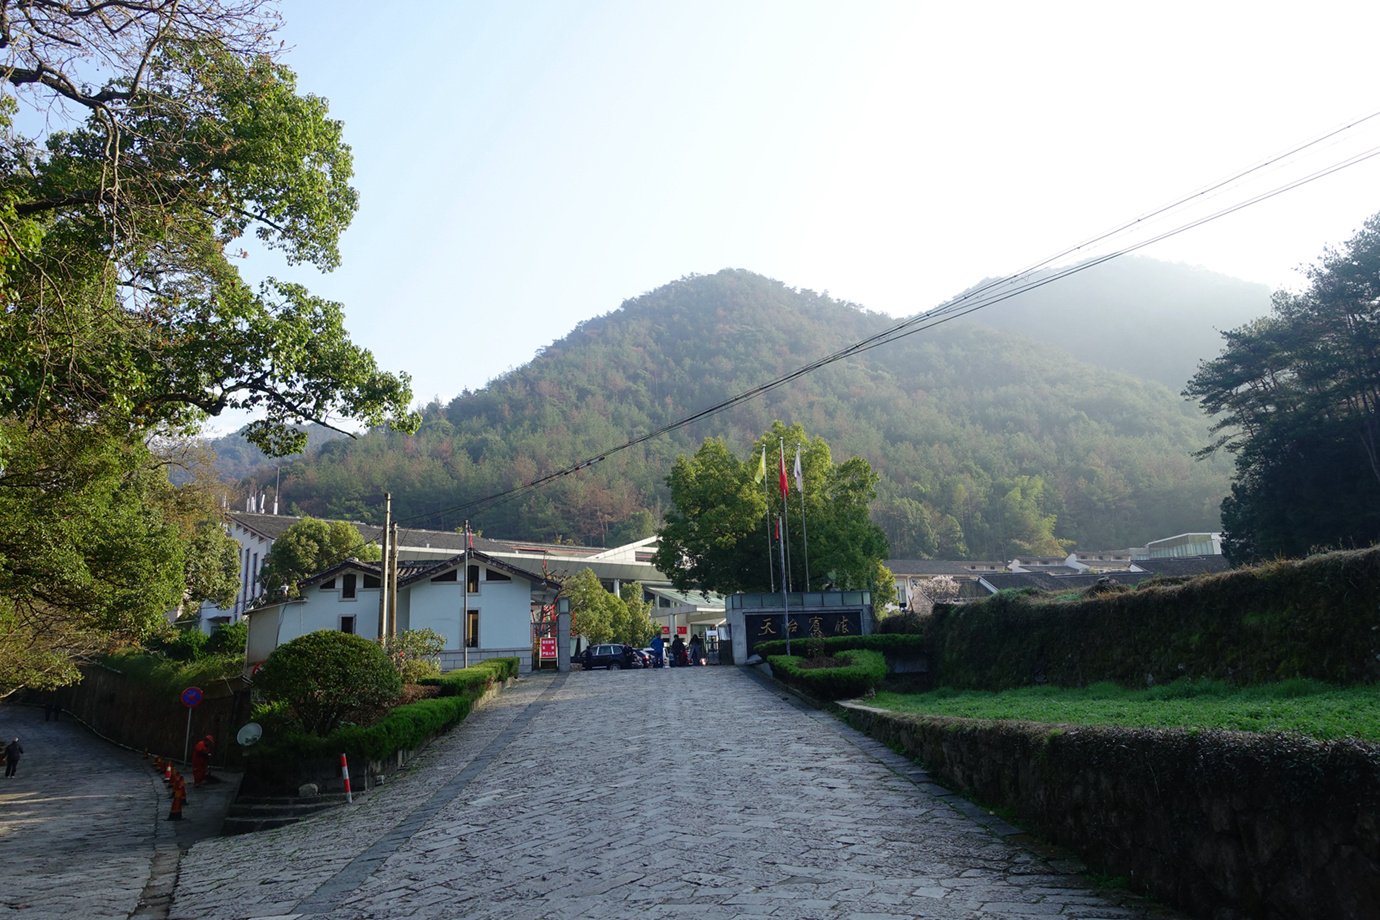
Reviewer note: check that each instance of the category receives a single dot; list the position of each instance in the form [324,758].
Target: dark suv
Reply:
[613,657]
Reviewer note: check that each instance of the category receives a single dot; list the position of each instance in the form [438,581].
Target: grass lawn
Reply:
[1305,706]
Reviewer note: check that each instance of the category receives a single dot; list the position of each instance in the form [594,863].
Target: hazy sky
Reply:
[524,166]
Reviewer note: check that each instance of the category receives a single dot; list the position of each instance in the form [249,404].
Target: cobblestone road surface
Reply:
[79,823]
[650,794]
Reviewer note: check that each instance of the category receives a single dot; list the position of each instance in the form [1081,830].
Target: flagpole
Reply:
[785,524]
[766,491]
[785,600]
[804,533]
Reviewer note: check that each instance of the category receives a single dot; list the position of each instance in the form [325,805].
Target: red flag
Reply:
[778,527]
[784,486]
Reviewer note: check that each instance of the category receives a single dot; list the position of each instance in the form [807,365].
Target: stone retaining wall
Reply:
[1223,824]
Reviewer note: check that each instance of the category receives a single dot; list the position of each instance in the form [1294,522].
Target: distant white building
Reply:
[481,605]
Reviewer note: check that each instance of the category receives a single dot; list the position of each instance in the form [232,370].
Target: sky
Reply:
[526,165]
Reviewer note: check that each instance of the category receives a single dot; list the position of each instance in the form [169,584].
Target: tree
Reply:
[594,612]
[306,548]
[96,546]
[327,676]
[640,627]
[162,133]
[1296,396]
[715,538]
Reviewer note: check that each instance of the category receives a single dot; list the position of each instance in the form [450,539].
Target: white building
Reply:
[481,605]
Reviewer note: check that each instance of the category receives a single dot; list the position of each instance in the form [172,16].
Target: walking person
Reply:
[12,752]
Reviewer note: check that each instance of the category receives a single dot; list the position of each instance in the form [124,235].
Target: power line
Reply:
[983,296]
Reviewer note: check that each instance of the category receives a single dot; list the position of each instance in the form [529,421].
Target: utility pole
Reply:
[392,572]
[465,602]
[383,566]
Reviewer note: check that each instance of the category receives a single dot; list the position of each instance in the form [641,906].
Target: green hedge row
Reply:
[866,670]
[404,728]
[459,682]
[1316,618]
[889,644]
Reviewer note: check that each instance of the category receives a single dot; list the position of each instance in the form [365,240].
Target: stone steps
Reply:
[258,813]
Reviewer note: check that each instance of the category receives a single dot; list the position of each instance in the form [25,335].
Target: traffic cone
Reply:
[179,796]
[167,774]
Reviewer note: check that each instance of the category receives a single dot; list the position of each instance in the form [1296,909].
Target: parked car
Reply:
[644,657]
[613,657]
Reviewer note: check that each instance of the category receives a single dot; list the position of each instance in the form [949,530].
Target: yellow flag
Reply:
[762,469]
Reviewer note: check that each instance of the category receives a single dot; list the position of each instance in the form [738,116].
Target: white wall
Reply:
[505,610]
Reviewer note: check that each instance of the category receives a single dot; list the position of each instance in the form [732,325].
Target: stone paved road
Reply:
[649,794]
[79,823]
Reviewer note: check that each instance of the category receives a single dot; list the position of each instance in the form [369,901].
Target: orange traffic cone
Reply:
[168,773]
[179,796]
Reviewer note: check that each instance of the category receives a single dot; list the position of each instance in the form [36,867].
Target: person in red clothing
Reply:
[201,759]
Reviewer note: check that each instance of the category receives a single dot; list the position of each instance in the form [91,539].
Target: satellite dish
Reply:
[249,734]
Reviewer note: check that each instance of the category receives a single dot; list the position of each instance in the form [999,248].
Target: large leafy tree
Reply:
[308,547]
[716,536]
[162,133]
[1296,395]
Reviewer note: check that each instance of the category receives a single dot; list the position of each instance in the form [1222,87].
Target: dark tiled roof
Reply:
[436,568]
[1059,583]
[905,567]
[273,525]
[1060,569]
[1184,565]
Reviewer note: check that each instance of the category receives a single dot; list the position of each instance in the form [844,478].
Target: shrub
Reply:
[905,622]
[228,639]
[404,728]
[891,644]
[416,654]
[327,676]
[865,670]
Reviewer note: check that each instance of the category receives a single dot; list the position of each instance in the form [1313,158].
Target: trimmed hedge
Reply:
[404,728]
[1316,618]
[889,644]
[866,670]
[1222,824]
[458,682]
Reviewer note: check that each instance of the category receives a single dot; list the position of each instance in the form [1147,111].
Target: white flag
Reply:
[799,476]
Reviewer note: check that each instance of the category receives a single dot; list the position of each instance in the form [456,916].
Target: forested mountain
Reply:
[987,443]
[1143,317]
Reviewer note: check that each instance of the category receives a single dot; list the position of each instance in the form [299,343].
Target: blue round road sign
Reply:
[191,696]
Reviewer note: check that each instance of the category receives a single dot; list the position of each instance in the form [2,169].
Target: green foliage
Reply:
[96,546]
[887,644]
[1296,397]
[228,639]
[403,728]
[1309,619]
[156,141]
[306,548]
[715,538]
[416,653]
[865,670]
[169,677]
[951,421]
[1308,707]
[328,676]
[639,625]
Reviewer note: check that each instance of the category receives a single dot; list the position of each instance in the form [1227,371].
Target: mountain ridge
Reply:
[981,438]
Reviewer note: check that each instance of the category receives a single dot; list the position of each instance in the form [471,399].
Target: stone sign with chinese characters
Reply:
[764,627]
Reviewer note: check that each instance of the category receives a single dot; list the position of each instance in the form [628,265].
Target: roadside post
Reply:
[191,697]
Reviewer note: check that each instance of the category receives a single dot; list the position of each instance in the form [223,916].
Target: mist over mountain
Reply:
[988,444]
[1143,317]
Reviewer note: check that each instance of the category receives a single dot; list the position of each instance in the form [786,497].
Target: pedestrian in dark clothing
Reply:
[12,752]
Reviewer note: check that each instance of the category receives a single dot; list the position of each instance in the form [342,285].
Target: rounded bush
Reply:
[328,676]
